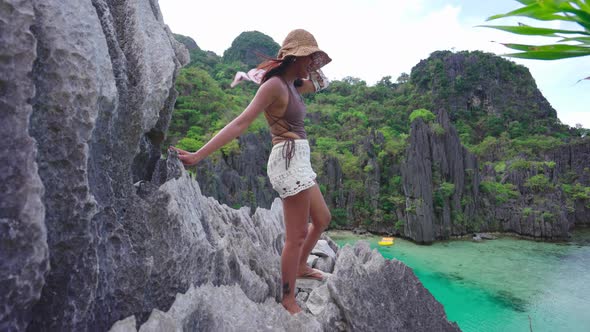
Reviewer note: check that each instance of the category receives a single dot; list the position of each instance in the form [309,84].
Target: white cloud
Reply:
[374,38]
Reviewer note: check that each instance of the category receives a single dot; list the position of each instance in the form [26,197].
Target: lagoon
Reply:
[507,284]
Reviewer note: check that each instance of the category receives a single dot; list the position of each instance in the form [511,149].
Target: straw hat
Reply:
[301,43]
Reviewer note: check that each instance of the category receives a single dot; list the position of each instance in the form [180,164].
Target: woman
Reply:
[289,168]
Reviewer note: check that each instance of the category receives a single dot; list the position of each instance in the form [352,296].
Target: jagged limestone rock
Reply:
[73,78]
[224,308]
[325,263]
[374,294]
[434,159]
[574,159]
[240,179]
[323,249]
[94,82]
[124,325]
[311,260]
[318,298]
[417,179]
[365,293]
[23,235]
[307,285]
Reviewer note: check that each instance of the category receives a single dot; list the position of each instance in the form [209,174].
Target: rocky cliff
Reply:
[96,227]
[573,161]
[442,184]
[466,83]
[441,181]
[240,179]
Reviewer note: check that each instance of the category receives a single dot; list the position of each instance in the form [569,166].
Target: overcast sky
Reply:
[370,39]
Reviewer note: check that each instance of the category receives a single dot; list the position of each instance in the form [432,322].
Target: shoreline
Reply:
[466,236]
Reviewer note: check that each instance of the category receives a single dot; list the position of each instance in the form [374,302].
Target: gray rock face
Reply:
[23,235]
[240,179]
[72,73]
[222,308]
[365,293]
[548,218]
[92,82]
[323,249]
[533,213]
[417,177]
[392,297]
[574,159]
[433,161]
[436,160]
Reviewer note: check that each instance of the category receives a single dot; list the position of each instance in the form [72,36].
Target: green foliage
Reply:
[490,146]
[399,225]
[190,144]
[447,189]
[339,217]
[422,113]
[232,147]
[500,167]
[410,207]
[548,217]
[458,217]
[573,43]
[437,129]
[539,183]
[532,145]
[527,211]
[520,164]
[466,200]
[501,192]
[395,142]
[444,192]
[576,191]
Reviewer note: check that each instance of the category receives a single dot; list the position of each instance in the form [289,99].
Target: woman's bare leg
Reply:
[296,213]
[320,219]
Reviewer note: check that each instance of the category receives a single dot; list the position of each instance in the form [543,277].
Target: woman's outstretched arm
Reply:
[266,95]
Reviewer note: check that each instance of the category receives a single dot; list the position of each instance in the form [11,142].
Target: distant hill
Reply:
[488,94]
[248,48]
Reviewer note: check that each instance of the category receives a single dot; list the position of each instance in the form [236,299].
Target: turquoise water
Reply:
[506,284]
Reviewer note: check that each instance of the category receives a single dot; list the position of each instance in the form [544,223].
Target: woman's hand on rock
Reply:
[187,158]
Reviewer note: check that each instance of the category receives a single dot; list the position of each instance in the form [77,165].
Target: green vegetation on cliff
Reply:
[250,48]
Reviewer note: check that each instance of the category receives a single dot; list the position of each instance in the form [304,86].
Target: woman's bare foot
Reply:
[291,306]
[306,272]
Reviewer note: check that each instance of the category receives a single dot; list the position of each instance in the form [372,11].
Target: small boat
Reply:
[386,241]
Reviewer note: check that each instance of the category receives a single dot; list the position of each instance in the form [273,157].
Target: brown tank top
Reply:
[288,124]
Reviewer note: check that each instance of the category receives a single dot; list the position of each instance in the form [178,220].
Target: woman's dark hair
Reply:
[276,67]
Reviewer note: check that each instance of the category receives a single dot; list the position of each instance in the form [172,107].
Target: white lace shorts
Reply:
[298,176]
